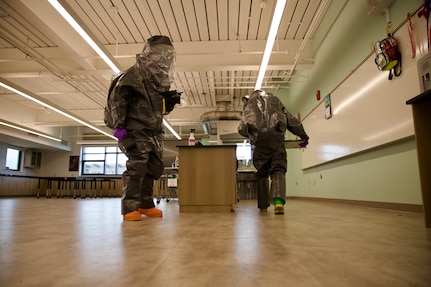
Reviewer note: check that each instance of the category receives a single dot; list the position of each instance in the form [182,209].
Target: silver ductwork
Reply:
[209,117]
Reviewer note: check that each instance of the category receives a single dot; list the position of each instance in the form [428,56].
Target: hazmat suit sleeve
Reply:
[295,126]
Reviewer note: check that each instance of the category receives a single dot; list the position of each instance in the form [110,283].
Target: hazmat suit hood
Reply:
[156,62]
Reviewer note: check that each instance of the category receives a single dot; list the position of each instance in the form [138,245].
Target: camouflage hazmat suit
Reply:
[136,105]
[265,121]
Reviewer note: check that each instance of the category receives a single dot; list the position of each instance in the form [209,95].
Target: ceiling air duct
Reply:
[210,117]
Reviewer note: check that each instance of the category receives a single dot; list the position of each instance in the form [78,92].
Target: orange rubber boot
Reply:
[151,212]
[133,216]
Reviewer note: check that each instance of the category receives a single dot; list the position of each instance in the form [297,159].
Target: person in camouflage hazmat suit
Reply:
[136,114]
[265,121]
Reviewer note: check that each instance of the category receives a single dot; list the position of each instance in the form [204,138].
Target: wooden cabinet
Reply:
[207,178]
[421,107]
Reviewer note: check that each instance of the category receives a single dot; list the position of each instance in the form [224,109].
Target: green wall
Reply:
[385,174]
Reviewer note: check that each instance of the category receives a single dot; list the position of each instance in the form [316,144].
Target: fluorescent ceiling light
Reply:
[96,142]
[10,125]
[171,129]
[55,109]
[276,19]
[84,35]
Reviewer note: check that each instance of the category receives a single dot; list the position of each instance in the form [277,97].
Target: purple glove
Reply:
[120,134]
[304,144]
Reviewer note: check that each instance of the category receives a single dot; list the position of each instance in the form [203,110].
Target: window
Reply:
[244,156]
[102,160]
[243,151]
[13,158]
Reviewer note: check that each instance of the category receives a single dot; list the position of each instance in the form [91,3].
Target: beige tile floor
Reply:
[84,242]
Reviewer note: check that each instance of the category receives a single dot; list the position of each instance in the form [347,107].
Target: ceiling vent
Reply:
[377,7]
[209,117]
[222,113]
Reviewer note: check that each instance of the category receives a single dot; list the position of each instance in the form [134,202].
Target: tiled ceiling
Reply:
[219,46]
